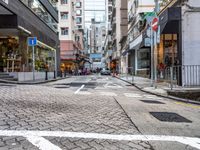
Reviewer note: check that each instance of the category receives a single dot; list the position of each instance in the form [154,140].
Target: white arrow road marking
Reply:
[79,89]
[193,142]
[42,143]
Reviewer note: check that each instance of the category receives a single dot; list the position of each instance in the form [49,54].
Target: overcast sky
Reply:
[94,9]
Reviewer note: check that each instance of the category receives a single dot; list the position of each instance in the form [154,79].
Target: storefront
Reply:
[139,56]
[169,48]
[20,20]
[16,56]
[68,65]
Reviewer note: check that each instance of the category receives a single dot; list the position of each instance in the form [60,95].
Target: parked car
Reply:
[105,72]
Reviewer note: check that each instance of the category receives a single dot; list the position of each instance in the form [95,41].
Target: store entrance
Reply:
[9,55]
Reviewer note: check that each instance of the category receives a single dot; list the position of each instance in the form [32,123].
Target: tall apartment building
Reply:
[108,40]
[119,31]
[20,19]
[96,37]
[71,27]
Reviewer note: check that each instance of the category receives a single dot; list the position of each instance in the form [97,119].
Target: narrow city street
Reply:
[94,112]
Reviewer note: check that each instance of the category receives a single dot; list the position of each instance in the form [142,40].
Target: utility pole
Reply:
[157,7]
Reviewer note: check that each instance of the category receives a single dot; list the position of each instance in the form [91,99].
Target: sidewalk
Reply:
[163,89]
[32,82]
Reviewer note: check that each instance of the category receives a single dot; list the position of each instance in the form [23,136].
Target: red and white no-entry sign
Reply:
[155,24]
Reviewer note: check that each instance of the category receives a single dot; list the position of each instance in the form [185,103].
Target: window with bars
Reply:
[64,15]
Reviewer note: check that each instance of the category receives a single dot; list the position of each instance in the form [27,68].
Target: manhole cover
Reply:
[152,102]
[169,117]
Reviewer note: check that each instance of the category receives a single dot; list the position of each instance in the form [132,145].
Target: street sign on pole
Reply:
[32,41]
[155,24]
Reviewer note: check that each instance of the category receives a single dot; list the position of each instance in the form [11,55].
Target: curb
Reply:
[31,83]
[169,97]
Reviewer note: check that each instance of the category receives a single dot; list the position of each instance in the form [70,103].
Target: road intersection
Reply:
[93,112]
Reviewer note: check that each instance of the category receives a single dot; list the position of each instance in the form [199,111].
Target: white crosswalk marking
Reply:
[36,137]
[42,143]
[152,97]
[132,95]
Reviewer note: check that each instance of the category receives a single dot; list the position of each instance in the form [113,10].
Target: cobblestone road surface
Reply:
[45,108]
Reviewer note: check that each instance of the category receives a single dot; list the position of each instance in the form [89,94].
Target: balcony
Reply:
[110,3]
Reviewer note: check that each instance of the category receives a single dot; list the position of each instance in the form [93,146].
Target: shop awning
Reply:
[135,44]
[169,20]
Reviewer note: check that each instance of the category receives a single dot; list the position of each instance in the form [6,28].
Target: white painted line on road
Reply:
[152,97]
[132,95]
[107,94]
[42,143]
[84,93]
[193,142]
[79,89]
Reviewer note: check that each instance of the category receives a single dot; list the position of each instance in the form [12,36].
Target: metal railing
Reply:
[191,75]
[185,75]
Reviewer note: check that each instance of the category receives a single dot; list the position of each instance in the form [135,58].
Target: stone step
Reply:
[4,73]
[9,79]
[5,76]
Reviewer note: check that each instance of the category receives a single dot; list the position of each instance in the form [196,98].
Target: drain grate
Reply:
[152,102]
[169,117]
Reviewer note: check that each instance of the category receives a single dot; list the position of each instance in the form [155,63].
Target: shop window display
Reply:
[10,57]
[14,59]
[44,59]
[170,50]
[143,59]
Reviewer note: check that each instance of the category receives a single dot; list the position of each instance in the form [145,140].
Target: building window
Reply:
[78,4]
[78,20]
[79,27]
[64,1]
[64,31]
[64,15]
[78,12]
[41,11]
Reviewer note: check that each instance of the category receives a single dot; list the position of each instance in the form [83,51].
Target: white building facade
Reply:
[71,27]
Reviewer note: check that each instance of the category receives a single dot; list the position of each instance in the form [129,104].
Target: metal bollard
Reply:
[171,77]
[54,74]
[46,75]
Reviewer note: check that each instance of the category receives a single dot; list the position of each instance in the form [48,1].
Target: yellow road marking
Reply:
[188,105]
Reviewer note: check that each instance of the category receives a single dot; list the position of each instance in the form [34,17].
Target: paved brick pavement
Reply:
[50,109]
